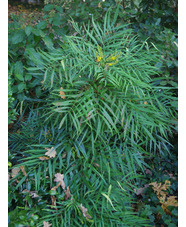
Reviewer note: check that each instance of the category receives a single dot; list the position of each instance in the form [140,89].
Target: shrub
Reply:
[106,82]
[103,113]
[157,21]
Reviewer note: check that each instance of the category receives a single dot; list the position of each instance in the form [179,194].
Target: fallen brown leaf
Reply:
[171,201]
[15,171]
[32,193]
[84,211]
[62,93]
[42,158]
[99,5]
[59,178]
[51,152]
[53,198]
[140,191]
[25,190]
[46,224]
[64,155]
[96,164]
[67,193]
[54,188]
[147,171]
[23,170]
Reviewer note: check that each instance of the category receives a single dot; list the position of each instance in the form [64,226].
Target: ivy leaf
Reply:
[50,152]
[59,178]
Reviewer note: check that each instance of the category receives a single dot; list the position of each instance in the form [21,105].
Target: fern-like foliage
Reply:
[103,84]
[103,114]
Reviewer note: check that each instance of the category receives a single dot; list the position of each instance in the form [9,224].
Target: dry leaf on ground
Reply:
[23,170]
[53,198]
[64,155]
[147,171]
[84,211]
[46,224]
[51,152]
[96,164]
[59,178]
[67,193]
[139,191]
[54,188]
[158,187]
[15,171]
[62,93]
[32,193]
[172,176]
[171,201]
[42,158]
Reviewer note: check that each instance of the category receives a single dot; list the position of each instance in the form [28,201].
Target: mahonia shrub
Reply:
[104,112]
[103,83]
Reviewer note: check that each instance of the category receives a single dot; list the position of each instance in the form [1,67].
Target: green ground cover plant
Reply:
[95,112]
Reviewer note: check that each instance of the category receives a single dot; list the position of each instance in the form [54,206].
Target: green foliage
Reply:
[80,11]
[157,21]
[97,187]
[100,100]
[23,43]
[11,107]
[162,168]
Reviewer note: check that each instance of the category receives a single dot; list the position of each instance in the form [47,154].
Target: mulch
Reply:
[27,15]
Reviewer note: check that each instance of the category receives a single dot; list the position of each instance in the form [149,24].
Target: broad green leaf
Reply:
[28,30]
[48,7]
[28,77]
[42,25]
[21,86]
[18,37]
[48,42]
[18,70]
[56,19]
[38,32]
[59,9]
